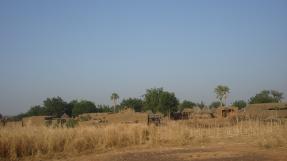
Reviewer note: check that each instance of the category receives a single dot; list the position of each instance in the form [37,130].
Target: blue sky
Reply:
[89,49]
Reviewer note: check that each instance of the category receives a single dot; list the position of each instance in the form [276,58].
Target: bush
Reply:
[240,104]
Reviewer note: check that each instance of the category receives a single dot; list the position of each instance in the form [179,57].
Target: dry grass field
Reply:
[33,143]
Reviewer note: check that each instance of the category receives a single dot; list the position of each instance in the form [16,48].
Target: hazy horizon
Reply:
[88,50]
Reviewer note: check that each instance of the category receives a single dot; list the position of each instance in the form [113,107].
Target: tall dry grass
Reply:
[17,143]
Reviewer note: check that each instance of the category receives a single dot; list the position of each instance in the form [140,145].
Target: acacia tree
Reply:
[114,98]
[221,92]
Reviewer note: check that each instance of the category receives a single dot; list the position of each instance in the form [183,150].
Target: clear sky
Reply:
[89,49]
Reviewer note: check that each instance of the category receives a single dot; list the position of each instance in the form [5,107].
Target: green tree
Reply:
[240,104]
[20,116]
[266,96]
[69,107]
[37,111]
[278,96]
[158,100]
[83,106]
[168,103]
[103,108]
[221,92]
[215,104]
[135,103]
[186,104]
[151,99]
[55,106]
[114,98]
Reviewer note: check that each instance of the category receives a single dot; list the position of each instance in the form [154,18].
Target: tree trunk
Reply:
[221,104]
[225,97]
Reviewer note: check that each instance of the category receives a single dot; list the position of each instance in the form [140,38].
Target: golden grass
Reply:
[17,143]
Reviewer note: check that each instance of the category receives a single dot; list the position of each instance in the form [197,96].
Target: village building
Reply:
[267,110]
[224,112]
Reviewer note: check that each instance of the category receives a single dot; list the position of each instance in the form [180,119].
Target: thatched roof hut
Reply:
[265,110]
[196,109]
[188,110]
[222,112]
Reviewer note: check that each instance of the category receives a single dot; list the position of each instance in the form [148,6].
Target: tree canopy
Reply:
[215,104]
[114,97]
[158,100]
[267,96]
[278,96]
[55,106]
[221,92]
[155,99]
[240,104]
[37,111]
[135,103]
[83,106]
[186,104]
[103,108]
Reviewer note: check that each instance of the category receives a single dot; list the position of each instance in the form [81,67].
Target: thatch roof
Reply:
[197,109]
[188,110]
[226,108]
[267,109]
[267,106]
[127,110]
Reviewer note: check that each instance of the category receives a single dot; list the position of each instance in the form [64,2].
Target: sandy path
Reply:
[235,152]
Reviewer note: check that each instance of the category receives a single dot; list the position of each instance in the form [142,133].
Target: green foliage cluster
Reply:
[186,104]
[155,100]
[103,108]
[240,104]
[158,100]
[134,103]
[56,107]
[83,106]
[267,96]
[215,104]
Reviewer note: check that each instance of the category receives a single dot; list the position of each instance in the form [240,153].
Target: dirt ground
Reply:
[216,152]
